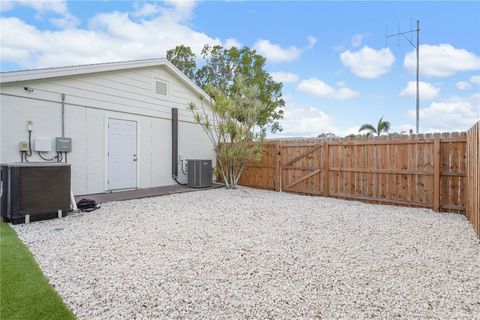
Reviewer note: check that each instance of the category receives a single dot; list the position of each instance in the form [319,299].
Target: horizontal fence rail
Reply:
[473,177]
[414,170]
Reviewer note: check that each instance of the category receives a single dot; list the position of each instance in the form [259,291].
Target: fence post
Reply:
[436,173]
[278,172]
[325,168]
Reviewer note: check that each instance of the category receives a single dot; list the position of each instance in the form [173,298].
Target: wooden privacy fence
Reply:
[415,170]
[473,177]
[265,173]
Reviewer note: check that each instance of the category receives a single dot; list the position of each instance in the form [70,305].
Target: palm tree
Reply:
[382,126]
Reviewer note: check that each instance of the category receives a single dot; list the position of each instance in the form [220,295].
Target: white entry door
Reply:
[122,154]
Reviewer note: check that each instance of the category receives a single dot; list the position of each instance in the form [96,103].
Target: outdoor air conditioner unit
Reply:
[34,191]
[199,173]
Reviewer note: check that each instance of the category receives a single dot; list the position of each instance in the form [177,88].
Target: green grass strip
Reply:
[24,292]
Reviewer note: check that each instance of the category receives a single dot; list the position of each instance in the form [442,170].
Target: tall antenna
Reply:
[417,47]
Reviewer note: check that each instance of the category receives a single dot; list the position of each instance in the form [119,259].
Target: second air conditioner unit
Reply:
[199,173]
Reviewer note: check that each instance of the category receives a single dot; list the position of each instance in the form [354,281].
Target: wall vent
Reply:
[161,87]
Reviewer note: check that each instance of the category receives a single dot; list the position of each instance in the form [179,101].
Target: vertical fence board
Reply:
[436,173]
[325,168]
[473,177]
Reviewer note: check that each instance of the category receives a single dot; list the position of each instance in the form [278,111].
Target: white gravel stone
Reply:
[223,254]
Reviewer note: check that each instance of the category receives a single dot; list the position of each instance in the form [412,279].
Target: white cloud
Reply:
[58,7]
[311,42]
[285,77]
[427,90]
[463,85]
[441,60]
[357,40]
[109,37]
[321,89]
[232,42]
[349,131]
[182,9]
[367,62]
[308,121]
[145,9]
[475,80]
[275,53]
[453,115]
[304,121]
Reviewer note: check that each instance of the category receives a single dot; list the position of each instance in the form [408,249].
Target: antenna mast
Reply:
[417,47]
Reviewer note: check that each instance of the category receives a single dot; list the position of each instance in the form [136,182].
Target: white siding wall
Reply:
[90,100]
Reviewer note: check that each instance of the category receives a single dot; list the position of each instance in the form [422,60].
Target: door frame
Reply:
[137,147]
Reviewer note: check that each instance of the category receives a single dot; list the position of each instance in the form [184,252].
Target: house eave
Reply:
[56,72]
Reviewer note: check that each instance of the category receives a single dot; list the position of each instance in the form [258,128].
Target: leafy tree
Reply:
[235,142]
[221,67]
[326,135]
[382,126]
[184,59]
[353,135]
[401,133]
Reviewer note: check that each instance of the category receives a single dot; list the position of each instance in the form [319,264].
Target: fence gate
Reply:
[302,168]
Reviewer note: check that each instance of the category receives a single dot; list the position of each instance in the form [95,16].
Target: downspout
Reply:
[175,146]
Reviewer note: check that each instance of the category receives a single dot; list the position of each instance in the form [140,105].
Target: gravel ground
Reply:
[222,254]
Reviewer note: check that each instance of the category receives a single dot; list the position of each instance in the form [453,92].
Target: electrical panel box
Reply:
[43,145]
[23,146]
[63,144]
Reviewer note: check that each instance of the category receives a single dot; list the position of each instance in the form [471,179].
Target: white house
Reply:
[120,108]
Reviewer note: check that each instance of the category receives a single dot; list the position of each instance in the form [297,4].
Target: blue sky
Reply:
[331,56]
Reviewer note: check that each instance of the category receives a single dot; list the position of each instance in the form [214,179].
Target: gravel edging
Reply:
[250,253]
